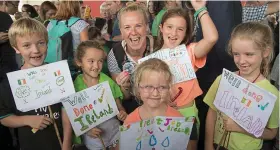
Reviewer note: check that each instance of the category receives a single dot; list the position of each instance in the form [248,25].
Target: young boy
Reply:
[29,39]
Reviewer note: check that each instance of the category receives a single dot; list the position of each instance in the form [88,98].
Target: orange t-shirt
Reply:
[135,116]
[190,89]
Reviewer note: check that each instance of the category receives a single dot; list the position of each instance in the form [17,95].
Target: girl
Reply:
[29,11]
[89,57]
[47,11]
[251,46]
[176,28]
[152,82]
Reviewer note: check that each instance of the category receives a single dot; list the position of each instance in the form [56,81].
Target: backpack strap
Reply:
[72,21]
[119,54]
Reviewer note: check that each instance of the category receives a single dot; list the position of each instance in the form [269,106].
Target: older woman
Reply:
[124,55]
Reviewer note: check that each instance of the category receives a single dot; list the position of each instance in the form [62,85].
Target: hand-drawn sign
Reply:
[60,81]
[23,91]
[247,104]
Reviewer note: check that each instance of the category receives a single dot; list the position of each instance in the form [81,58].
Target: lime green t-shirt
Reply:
[157,21]
[239,141]
[79,85]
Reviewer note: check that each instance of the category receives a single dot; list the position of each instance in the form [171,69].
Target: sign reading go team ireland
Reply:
[90,107]
[159,133]
[247,104]
[41,86]
[178,61]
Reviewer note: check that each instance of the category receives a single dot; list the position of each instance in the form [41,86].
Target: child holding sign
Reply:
[89,57]
[153,80]
[251,46]
[176,28]
[29,39]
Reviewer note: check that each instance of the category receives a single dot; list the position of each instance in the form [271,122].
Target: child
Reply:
[89,57]
[29,38]
[176,28]
[95,34]
[251,46]
[152,82]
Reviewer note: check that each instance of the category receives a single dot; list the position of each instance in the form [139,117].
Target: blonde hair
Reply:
[262,37]
[68,9]
[149,65]
[132,8]
[26,26]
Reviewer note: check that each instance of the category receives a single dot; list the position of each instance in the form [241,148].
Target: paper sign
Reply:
[159,133]
[90,107]
[41,86]
[247,104]
[178,61]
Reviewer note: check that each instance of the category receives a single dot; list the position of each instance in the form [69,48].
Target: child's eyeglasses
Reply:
[150,89]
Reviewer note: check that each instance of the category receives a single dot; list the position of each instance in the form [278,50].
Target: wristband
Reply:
[199,11]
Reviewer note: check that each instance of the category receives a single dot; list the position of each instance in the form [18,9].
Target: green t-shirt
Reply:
[80,85]
[239,141]
[157,22]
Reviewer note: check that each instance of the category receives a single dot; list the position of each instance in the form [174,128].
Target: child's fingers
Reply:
[42,126]
[48,120]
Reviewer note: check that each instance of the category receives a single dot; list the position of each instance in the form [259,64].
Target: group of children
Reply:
[250,45]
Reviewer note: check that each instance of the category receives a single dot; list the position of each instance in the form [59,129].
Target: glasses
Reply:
[150,89]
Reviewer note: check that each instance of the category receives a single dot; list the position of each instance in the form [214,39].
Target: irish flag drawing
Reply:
[21,81]
[57,73]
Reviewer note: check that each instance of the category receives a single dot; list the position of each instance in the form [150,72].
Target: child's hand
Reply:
[230,125]
[122,115]
[38,122]
[94,132]
[197,4]
[123,79]
[173,104]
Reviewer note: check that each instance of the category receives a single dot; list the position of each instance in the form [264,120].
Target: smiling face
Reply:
[91,62]
[134,30]
[247,58]
[33,49]
[173,31]
[50,14]
[153,98]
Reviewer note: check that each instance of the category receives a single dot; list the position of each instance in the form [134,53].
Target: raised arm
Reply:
[210,33]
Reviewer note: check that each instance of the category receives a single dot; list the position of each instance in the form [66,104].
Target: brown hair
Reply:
[45,7]
[68,9]
[26,26]
[262,37]
[83,46]
[174,12]
[149,65]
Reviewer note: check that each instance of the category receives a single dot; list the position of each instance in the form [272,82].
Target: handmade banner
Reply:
[41,86]
[90,107]
[178,61]
[247,104]
[168,133]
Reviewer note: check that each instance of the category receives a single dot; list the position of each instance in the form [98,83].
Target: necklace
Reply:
[255,78]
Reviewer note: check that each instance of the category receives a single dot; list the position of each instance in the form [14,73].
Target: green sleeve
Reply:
[211,94]
[156,22]
[274,117]
[116,90]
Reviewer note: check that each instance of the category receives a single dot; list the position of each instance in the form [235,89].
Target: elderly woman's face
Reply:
[134,30]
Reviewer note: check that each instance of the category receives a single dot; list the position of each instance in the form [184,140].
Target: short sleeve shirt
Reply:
[253,13]
[190,89]
[241,141]
[79,85]
[27,139]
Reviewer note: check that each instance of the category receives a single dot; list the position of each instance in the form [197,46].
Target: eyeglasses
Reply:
[150,89]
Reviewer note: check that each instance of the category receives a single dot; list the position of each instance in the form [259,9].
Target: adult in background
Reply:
[115,7]
[28,11]
[47,11]
[225,15]
[7,61]
[124,55]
